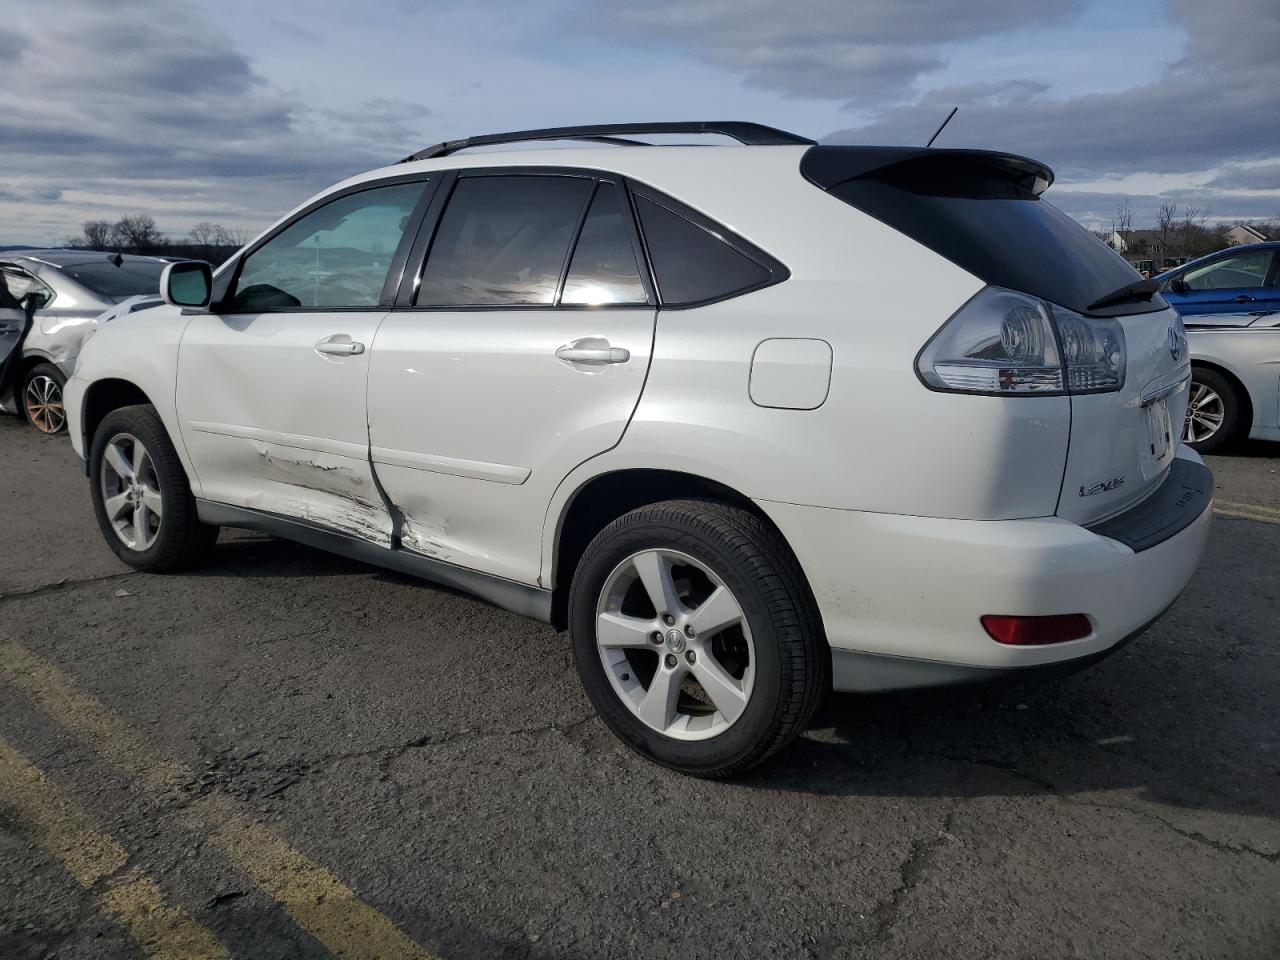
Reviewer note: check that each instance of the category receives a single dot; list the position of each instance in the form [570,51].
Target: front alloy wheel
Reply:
[131,492]
[141,496]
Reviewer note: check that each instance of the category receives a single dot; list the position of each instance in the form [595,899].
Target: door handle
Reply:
[1243,298]
[340,345]
[593,350]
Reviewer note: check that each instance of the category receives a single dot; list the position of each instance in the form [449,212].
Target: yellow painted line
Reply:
[164,931]
[316,899]
[1249,508]
[1247,515]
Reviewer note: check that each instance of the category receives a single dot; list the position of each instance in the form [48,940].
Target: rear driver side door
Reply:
[517,353]
[271,385]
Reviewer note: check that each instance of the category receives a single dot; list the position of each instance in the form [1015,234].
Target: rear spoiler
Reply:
[929,171]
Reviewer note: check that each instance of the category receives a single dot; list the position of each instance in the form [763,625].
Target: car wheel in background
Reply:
[141,496]
[1215,412]
[696,637]
[42,398]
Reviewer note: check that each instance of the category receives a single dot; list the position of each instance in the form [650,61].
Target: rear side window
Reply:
[604,269]
[690,263]
[503,240]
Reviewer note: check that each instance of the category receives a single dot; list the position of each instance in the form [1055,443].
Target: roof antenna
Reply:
[117,260]
[941,128]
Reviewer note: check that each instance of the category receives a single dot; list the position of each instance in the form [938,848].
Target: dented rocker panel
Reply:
[517,597]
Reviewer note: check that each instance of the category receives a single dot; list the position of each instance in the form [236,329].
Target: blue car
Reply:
[1239,280]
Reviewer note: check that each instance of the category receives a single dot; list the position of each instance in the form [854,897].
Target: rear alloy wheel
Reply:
[42,398]
[696,637]
[141,497]
[1213,411]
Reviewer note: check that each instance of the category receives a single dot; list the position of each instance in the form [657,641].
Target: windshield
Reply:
[132,277]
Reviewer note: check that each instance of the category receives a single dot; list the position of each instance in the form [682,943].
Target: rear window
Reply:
[992,226]
[129,279]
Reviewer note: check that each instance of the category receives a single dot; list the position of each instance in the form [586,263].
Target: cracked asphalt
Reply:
[305,757]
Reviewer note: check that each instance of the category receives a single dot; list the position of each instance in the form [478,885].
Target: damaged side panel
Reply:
[276,426]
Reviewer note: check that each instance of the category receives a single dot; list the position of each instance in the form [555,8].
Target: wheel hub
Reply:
[675,640]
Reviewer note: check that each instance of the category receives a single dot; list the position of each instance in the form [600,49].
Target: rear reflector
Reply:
[1036,631]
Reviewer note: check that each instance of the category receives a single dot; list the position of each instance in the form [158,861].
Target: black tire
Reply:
[181,540]
[1233,411]
[792,659]
[40,397]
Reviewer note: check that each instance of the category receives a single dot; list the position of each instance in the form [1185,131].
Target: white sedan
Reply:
[1235,388]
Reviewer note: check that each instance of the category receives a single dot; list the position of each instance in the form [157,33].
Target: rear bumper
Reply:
[902,597]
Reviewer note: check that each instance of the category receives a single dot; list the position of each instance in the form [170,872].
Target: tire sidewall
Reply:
[758,722]
[145,426]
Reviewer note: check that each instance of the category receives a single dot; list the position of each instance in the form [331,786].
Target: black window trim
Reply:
[777,271]
[222,297]
[430,225]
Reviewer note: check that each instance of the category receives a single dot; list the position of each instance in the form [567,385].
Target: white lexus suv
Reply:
[751,421]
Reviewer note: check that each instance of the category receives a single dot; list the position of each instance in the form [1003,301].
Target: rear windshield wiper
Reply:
[1138,290]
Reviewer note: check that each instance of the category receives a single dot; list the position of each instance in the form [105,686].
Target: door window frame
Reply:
[224,290]
[1271,279]
[430,227]
[37,284]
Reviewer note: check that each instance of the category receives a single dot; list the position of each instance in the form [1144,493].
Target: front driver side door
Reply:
[271,387]
[1238,282]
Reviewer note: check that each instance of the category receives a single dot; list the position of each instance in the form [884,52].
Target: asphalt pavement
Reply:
[287,754]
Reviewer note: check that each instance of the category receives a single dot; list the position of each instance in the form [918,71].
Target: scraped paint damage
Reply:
[329,493]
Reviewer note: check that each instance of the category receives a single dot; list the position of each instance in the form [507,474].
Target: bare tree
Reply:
[1195,238]
[1122,222]
[206,234]
[137,233]
[94,235]
[1166,227]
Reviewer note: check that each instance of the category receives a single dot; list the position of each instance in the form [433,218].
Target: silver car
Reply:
[68,289]
[1235,378]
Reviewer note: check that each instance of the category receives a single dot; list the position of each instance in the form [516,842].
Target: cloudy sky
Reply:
[236,111]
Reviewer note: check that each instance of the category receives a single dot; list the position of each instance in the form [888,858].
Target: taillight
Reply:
[1002,342]
[1036,631]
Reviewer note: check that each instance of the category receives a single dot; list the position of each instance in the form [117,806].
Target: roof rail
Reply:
[752,134]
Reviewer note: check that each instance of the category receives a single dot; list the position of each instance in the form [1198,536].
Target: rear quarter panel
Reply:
[881,441]
[1252,356]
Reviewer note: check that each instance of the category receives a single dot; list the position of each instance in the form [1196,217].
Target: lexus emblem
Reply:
[1177,344]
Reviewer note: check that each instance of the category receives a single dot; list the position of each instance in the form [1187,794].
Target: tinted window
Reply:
[692,264]
[604,268]
[503,241]
[1244,269]
[129,279]
[981,211]
[336,256]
